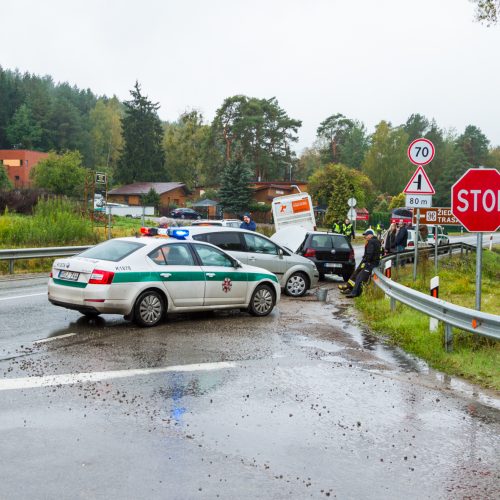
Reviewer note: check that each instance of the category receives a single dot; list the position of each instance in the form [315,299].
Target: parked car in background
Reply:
[402,215]
[219,222]
[443,238]
[185,213]
[296,274]
[331,253]
[411,241]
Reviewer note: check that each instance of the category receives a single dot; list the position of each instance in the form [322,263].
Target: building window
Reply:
[16,177]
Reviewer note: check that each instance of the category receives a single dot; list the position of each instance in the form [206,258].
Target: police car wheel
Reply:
[149,308]
[262,301]
[296,286]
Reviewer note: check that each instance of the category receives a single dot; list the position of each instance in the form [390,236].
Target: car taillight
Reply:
[411,244]
[310,252]
[99,277]
[50,275]
[351,255]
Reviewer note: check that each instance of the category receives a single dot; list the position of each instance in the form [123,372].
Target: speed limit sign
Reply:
[421,151]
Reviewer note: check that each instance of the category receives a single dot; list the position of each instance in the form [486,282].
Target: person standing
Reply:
[347,229]
[379,230]
[390,239]
[401,237]
[248,223]
[371,258]
[163,222]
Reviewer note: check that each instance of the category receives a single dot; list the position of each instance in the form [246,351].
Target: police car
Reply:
[144,278]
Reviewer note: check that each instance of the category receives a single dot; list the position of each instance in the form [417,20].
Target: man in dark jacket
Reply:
[370,260]
[401,237]
[248,223]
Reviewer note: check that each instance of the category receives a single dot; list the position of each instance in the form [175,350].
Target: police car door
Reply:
[224,283]
[182,277]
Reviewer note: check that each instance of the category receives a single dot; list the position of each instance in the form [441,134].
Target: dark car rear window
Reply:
[226,241]
[112,250]
[329,241]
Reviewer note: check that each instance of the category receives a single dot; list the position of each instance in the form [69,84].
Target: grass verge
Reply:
[474,358]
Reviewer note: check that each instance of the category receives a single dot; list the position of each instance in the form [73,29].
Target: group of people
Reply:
[396,238]
[346,228]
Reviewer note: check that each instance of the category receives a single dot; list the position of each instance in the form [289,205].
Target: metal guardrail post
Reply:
[448,337]
[11,266]
[393,304]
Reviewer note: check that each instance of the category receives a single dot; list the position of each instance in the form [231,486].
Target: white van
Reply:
[293,210]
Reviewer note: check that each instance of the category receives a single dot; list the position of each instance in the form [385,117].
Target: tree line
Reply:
[248,139]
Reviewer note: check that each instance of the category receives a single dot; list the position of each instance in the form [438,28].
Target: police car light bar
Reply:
[154,231]
[180,234]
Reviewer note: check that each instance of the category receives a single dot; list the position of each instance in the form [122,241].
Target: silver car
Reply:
[296,274]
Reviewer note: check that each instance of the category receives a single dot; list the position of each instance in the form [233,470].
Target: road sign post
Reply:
[475,202]
[419,189]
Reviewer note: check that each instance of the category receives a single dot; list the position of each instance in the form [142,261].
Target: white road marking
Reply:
[80,378]
[50,339]
[23,296]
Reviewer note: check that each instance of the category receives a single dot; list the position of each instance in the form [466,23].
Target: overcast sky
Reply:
[369,60]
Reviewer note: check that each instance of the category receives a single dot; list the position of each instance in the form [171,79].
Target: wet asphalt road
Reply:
[305,403]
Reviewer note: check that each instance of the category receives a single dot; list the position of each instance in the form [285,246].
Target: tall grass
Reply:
[55,222]
[475,358]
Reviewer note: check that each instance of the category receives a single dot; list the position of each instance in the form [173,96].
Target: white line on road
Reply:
[23,296]
[80,378]
[50,339]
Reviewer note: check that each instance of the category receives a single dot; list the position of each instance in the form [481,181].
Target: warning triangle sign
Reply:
[419,183]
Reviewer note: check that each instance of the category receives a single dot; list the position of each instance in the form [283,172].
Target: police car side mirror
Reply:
[280,253]
[237,263]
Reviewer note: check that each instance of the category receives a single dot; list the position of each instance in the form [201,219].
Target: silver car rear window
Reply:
[112,250]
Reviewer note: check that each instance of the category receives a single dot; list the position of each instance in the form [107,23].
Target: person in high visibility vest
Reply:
[379,229]
[347,229]
[337,227]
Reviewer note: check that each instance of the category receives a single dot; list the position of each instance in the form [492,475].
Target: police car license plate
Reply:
[69,275]
[333,264]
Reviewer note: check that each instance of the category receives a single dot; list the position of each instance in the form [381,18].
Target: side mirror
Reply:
[280,253]
[237,263]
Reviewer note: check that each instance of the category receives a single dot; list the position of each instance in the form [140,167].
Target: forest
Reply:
[249,138]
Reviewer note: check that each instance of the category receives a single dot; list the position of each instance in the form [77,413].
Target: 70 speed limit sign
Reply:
[421,151]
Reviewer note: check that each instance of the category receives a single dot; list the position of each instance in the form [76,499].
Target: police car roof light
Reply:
[180,234]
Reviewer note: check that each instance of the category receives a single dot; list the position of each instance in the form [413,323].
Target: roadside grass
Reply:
[474,358]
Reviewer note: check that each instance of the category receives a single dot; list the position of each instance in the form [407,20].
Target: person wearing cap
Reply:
[370,260]
[248,223]
[163,222]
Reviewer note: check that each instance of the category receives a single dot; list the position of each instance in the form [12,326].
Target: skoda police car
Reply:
[144,278]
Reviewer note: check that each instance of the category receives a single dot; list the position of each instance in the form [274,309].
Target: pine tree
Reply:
[235,193]
[143,157]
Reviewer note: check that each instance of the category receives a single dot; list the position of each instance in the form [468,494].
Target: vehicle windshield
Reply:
[113,250]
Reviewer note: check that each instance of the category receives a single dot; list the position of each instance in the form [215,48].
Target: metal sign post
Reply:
[417,234]
[435,248]
[479,269]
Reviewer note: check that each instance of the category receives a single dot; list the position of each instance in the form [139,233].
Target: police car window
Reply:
[321,241]
[113,250]
[212,257]
[258,244]
[178,255]
[340,243]
[226,241]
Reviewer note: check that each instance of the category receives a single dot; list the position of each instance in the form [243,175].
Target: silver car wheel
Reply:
[262,301]
[149,309]
[296,285]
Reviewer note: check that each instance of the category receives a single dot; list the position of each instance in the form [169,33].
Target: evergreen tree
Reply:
[235,193]
[4,179]
[23,132]
[143,157]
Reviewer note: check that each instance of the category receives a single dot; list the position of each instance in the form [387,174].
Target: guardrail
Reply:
[38,253]
[450,314]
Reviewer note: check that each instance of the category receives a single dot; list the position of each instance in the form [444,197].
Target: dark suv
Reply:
[332,253]
[185,213]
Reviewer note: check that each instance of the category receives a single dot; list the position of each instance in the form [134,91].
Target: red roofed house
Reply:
[18,163]
[172,194]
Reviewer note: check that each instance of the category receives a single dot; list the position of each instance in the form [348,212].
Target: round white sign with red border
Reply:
[421,151]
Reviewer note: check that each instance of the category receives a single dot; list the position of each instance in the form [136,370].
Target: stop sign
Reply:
[475,200]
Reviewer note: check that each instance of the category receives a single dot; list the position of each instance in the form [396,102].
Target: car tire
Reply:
[262,301]
[321,276]
[149,308]
[297,285]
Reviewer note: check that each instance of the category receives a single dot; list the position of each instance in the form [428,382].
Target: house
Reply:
[172,194]
[265,192]
[18,164]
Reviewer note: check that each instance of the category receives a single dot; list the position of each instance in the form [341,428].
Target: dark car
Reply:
[332,253]
[185,213]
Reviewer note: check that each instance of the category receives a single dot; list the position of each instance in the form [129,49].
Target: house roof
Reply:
[206,203]
[273,186]
[145,187]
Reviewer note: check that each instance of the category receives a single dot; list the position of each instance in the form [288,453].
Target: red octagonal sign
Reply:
[475,200]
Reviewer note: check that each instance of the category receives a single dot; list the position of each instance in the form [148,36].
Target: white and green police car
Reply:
[144,278]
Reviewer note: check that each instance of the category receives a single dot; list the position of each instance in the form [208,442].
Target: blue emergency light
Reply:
[180,234]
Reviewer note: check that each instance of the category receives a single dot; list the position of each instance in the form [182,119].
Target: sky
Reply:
[369,60]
